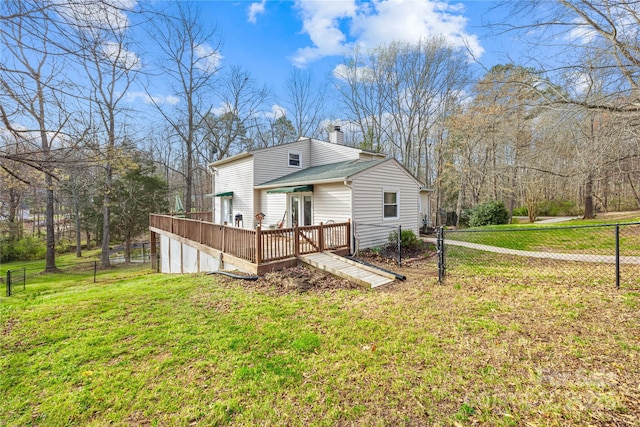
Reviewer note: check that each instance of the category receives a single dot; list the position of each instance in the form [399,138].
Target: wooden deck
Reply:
[342,267]
[258,250]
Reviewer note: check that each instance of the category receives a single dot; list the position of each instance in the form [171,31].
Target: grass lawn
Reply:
[586,237]
[139,348]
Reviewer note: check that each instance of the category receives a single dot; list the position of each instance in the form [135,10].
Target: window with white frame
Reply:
[391,204]
[295,159]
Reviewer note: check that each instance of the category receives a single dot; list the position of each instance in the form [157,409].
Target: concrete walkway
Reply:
[607,259]
[556,219]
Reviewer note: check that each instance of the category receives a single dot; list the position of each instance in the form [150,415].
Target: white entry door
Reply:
[301,208]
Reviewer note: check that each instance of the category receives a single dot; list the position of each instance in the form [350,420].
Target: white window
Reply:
[391,204]
[295,159]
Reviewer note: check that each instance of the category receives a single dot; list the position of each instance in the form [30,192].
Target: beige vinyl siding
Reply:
[370,156]
[331,202]
[273,206]
[323,153]
[273,162]
[237,177]
[368,188]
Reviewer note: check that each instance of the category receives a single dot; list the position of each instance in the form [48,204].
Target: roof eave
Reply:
[298,183]
[230,159]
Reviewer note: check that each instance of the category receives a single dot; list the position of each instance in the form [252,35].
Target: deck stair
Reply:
[369,277]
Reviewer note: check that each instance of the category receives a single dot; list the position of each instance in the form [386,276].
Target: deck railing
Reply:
[257,246]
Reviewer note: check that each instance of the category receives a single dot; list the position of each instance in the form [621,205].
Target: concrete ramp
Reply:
[363,275]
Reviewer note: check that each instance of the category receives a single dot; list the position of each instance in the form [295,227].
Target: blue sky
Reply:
[268,38]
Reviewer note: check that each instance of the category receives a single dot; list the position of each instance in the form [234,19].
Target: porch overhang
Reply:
[293,189]
[224,194]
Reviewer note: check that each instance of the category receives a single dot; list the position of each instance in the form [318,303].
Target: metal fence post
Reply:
[8,283]
[617,256]
[24,278]
[95,270]
[440,252]
[399,245]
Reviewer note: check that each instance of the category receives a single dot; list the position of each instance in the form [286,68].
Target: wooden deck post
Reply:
[296,240]
[154,257]
[321,238]
[224,228]
[348,238]
[259,244]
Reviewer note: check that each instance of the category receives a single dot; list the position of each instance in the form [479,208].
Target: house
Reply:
[308,182]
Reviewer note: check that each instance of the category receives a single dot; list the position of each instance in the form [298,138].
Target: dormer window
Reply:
[295,159]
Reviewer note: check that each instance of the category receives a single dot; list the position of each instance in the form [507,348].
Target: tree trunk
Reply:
[76,209]
[588,198]
[460,201]
[127,249]
[633,189]
[189,178]
[50,258]
[106,218]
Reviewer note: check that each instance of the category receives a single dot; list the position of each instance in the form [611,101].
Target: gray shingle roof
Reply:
[333,171]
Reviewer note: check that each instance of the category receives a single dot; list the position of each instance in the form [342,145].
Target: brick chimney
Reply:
[336,136]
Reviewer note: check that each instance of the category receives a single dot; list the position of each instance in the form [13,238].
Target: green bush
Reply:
[521,211]
[26,249]
[488,213]
[556,208]
[408,239]
[64,245]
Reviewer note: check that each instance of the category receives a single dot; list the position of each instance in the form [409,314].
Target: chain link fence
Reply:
[608,253]
[17,280]
[382,240]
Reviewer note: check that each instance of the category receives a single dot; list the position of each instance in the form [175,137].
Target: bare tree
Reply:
[397,93]
[33,92]
[229,132]
[190,63]
[305,102]
[111,67]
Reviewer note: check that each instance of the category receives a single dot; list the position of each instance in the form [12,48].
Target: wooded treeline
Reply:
[559,137]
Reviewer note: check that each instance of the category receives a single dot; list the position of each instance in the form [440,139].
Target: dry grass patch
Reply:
[298,348]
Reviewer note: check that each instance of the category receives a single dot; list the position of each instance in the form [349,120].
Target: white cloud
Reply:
[134,97]
[321,20]
[335,27]
[96,13]
[222,109]
[343,72]
[256,9]
[117,54]
[276,112]
[208,58]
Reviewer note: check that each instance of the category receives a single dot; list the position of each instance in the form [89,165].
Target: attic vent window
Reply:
[295,159]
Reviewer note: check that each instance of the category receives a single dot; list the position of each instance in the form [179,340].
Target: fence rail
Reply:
[603,252]
[16,280]
[257,246]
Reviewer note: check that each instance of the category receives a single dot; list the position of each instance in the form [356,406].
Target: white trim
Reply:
[397,204]
[295,153]
[301,209]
